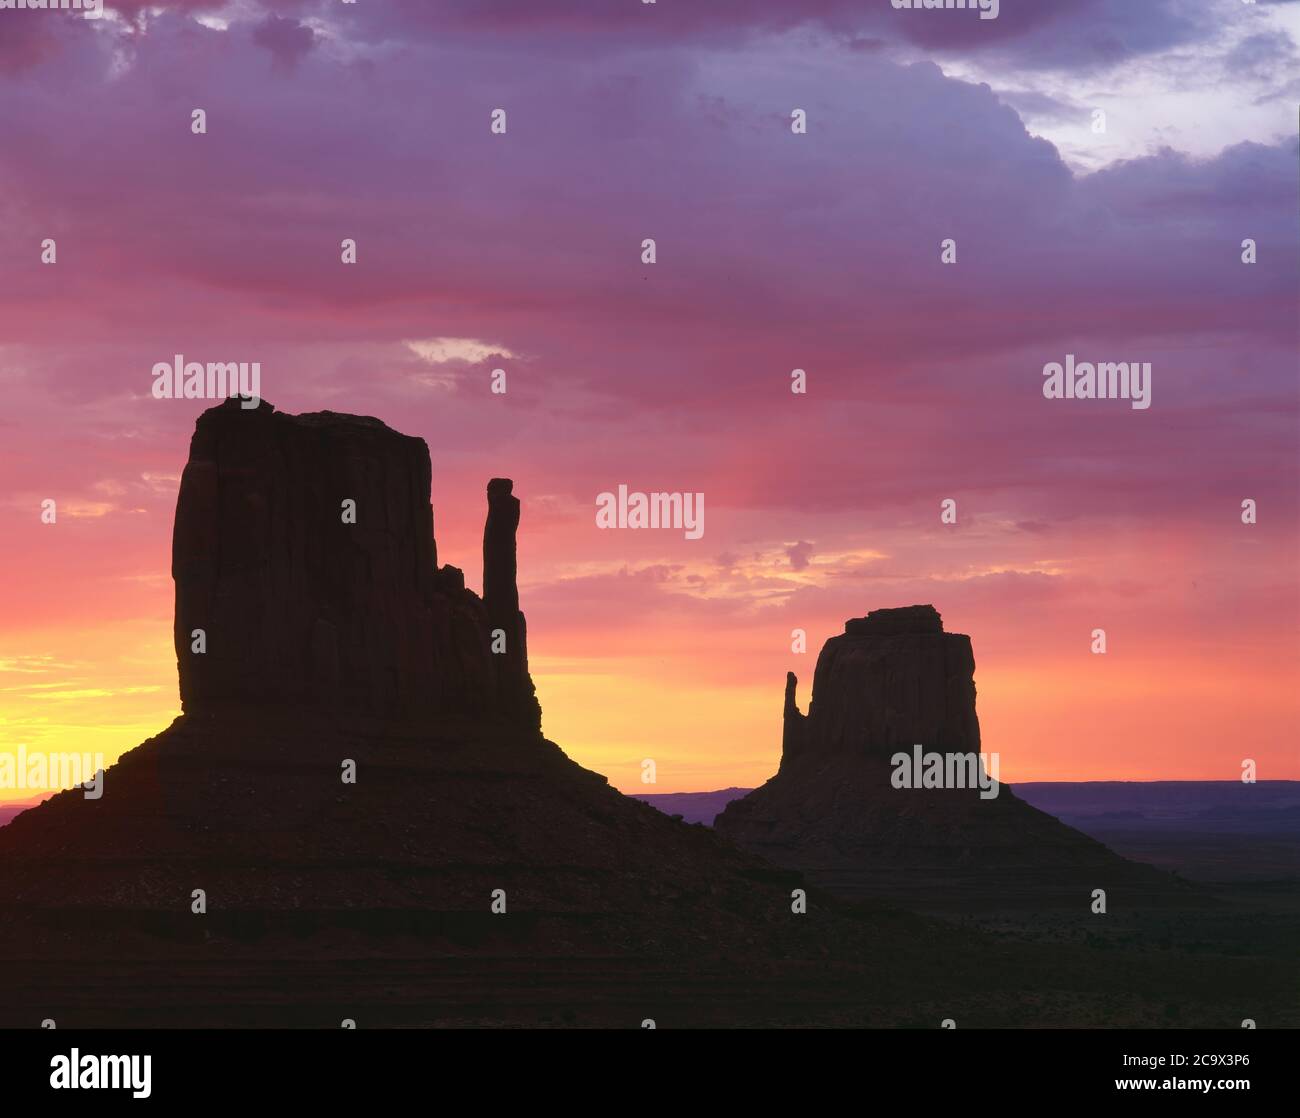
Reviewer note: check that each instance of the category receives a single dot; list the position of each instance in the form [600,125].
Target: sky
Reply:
[1113,238]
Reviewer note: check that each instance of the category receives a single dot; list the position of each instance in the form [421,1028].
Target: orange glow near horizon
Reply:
[98,691]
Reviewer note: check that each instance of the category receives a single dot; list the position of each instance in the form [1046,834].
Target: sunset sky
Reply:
[775,251]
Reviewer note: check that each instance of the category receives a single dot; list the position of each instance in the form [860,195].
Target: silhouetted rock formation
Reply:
[515,690]
[468,872]
[901,621]
[793,725]
[334,645]
[304,554]
[894,680]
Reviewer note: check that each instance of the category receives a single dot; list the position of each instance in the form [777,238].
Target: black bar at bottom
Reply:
[681,1068]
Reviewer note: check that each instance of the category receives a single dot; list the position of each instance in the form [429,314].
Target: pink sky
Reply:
[775,251]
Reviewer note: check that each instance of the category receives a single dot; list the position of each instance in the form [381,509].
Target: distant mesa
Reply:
[894,680]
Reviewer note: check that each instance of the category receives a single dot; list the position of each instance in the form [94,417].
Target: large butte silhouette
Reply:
[471,873]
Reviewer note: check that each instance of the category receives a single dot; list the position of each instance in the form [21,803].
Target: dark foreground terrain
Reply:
[615,912]
[373,902]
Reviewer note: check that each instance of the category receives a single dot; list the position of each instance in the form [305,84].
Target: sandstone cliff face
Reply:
[893,680]
[304,552]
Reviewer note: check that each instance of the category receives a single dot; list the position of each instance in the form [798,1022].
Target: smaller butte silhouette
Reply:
[893,681]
